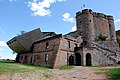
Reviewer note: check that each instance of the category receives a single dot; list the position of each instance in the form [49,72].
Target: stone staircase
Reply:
[112,54]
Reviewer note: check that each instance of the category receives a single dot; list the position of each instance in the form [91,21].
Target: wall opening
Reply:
[46,57]
[71,60]
[68,44]
[31,60]
[47,45]
[26,59]
[88,59]
[78,59]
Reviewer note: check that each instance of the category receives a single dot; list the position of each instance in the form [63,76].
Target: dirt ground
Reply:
[76,73]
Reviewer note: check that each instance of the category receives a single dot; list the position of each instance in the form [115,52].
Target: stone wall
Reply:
[98,58]
[64,52]
[40,50]
[25,58]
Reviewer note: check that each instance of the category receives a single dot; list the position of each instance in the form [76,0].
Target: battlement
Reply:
[85,11]
[110,17]
[95,14]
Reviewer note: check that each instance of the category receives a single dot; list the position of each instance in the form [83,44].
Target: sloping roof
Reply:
[48,38]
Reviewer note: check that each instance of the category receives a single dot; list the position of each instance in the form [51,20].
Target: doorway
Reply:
[88,59]
[71,60]
[78,59]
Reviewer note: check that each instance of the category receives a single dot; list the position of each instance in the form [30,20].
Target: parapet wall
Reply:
[95,14]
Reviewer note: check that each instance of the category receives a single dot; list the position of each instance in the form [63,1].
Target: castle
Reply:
[92,44]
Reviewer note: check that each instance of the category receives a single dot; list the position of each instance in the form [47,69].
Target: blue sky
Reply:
[48,15]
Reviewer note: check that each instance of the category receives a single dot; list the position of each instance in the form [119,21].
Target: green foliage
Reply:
[114,73]
[67,67]
[118,39]
[102,38]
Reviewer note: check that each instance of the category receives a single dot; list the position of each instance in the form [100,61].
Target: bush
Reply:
[102,38]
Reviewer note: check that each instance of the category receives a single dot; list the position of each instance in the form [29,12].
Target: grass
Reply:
[114,74]
[37,67]
[66,68]
[7,66]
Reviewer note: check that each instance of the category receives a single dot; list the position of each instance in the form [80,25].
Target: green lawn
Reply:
[114,74]
[7,66]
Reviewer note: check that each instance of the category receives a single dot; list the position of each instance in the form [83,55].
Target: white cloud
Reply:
[118,20]
[67,18]
[3,44]
[42,8]
[74,28]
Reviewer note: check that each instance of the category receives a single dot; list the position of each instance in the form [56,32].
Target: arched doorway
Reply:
[88,59]
[78,59]
[71,60]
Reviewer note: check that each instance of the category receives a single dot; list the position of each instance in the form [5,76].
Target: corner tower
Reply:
[85,26]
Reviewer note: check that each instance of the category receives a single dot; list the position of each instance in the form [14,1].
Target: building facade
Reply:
[81,47]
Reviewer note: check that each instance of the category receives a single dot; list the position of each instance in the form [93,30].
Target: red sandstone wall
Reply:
[63,54]
[40,50]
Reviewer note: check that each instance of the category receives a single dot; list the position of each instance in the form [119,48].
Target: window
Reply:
[85,42]
[109,25]
[47,45]
[36,57]
[46,57]
[68,44]
[21,57]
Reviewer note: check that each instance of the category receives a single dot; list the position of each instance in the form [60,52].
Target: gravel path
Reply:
[77,73]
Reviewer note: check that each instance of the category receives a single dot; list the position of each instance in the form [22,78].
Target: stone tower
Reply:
[85,26]
[91,25]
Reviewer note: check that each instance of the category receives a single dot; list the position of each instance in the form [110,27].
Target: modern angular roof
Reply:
[23,43]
